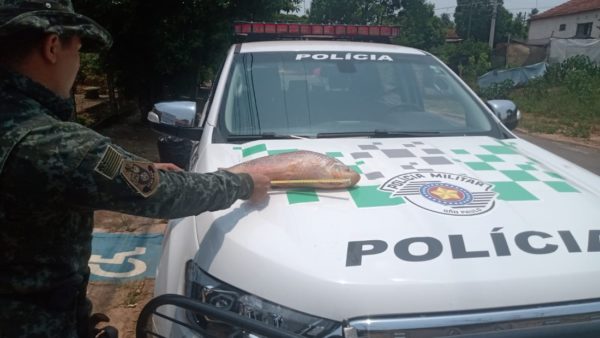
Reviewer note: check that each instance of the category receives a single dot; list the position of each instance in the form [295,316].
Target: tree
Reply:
[473,19]
[446,21]
[419,27]
[519,26]
[469,59]
[352,11]
[161,47]
[534,11]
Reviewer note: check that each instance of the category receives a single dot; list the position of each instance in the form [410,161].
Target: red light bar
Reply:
[282,28]
[270,28]
[258,28]
[316,29]
[294,28]
[245,28]
[305,29]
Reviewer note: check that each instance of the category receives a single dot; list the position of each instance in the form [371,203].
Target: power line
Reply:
[508,9]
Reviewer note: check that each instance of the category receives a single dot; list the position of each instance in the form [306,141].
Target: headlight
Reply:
[201,286]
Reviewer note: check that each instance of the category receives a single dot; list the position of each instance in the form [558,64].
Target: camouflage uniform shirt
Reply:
[53,175]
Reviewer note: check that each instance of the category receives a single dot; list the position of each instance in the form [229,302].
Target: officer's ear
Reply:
[51,46]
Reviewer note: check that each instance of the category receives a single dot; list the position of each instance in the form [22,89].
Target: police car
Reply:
[456,228]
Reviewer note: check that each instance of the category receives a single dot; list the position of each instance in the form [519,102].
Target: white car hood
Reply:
[434,225]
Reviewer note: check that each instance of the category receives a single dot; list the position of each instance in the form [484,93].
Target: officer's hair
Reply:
[16,46]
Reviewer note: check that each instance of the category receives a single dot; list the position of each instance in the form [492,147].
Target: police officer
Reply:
[55,173]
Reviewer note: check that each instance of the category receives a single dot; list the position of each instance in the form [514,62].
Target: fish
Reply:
[317,170]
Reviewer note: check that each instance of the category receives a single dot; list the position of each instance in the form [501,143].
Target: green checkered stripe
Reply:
[362,196]
[515,177]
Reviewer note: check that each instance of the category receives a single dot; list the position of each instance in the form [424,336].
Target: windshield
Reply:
[307,94]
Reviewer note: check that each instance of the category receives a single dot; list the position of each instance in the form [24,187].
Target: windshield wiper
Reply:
[263,136]
[402,133]
[379,133]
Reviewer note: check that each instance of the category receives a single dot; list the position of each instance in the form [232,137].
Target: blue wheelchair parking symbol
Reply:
[124,256]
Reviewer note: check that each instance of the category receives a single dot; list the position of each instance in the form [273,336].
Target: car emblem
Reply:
[443,193]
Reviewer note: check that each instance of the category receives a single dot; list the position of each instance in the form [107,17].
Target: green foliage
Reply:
[352,11]
[565,100]
[473,20]
[558,111]
[500,90]
[336,11]
[469,59]
[537,87]
[91,70]
[160,47]
[477,65]
[581,84]
[558,72]
[286,17]
[447,21]
[420,28]
[519,27]
[533,12]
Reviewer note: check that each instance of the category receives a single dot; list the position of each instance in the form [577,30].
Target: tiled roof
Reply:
[569,7]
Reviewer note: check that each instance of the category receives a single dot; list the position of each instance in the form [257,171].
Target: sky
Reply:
[514,6]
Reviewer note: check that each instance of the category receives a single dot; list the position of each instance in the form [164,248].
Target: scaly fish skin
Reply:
[301,165]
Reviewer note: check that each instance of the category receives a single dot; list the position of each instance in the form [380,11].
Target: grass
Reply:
[558,110]
[566,100]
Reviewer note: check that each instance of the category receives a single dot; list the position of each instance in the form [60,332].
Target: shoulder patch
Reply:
[141,176]
[110,163]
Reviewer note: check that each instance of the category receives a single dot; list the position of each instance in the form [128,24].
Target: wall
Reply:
[544,28]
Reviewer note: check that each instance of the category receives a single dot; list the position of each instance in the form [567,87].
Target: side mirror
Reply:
[175,118]
[507,112]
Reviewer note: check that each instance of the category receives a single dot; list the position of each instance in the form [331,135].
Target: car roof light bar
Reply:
[273,30]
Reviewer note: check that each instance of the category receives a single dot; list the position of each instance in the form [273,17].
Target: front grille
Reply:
[581,320]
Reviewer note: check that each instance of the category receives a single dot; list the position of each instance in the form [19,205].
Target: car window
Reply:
[312,93]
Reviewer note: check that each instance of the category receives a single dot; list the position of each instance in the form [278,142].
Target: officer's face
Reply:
[67,65]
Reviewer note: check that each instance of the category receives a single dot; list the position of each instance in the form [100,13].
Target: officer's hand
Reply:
[167,167]
[262,184]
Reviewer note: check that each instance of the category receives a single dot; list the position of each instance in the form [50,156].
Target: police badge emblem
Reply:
[443,193]
[141,176]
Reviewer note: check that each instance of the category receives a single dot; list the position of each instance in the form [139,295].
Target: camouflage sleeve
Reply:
[113,179]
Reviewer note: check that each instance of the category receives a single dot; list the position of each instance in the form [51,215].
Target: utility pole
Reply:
[493,24]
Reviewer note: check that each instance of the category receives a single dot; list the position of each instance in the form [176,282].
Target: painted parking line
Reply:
[121,257]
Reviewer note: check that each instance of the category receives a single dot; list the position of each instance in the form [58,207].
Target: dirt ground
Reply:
[122,302]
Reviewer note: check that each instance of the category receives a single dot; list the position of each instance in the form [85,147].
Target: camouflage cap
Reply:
[52,16]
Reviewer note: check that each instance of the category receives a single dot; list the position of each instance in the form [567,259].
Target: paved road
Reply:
[586,157]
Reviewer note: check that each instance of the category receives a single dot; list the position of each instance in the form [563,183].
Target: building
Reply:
[579,19]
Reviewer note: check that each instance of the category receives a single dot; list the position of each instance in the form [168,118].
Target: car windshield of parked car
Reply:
[309,94]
